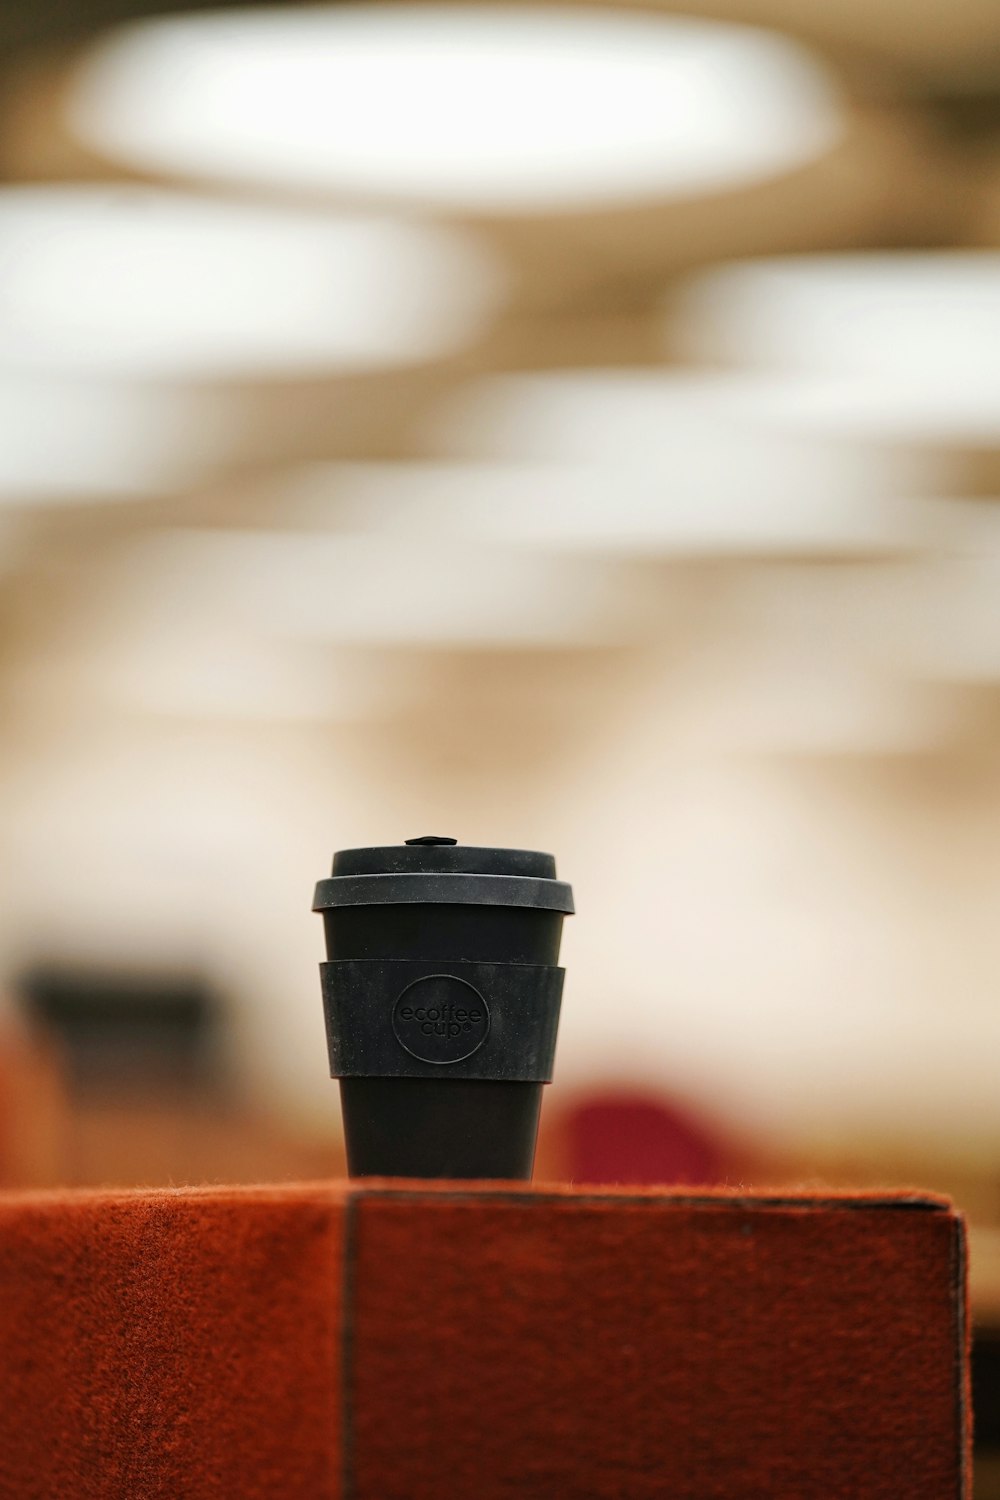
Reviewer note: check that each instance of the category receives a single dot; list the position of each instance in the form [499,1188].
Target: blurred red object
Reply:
[619,1136]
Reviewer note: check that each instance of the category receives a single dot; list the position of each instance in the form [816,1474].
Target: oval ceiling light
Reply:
[677,460]
[903,342]
[74,441]
[672,418]
[484,110]
[379,590]
[794,499]
[138,282]
[186,668]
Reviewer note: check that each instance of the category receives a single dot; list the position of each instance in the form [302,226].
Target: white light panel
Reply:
[178,667]
[486,108]
[674,420]
[140,282]
[803,502]
[676,460]
[65,441]
[903,342]
[380,591]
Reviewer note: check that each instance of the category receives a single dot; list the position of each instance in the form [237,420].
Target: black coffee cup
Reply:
[442,991]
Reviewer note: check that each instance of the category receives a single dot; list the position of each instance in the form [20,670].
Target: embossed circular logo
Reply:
[441,1019]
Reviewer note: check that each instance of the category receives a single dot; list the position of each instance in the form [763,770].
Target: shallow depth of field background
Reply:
[575,428]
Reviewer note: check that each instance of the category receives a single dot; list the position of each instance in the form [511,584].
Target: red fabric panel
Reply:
[170,1345]
[604,1347]
[495,1342]
[625,1138]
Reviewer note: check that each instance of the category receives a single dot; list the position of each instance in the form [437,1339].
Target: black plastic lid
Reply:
[439,856]
[443,871]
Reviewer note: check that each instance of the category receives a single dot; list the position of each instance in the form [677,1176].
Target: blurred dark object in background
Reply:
[986,1404]
[145,1091]
[128,1033]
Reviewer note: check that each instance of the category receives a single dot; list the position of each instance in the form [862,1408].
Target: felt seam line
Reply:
[348,1291]
[963,1411]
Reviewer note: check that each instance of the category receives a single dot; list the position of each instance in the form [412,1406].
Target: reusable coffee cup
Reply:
[441,992]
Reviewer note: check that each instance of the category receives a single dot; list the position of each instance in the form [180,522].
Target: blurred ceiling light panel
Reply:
[182,670]
[381,591]
[136,281]
[801,502]
[894,641]
[488,109]
[673,420]
[753,698]
[906,340]
[686,458]
[66,441]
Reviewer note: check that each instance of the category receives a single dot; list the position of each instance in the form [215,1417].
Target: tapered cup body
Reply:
[442,992]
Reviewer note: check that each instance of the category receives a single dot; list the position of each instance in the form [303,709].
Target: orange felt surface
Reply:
[402,1341]
[170,1345]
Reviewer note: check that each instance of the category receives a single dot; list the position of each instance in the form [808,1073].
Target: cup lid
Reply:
[443,871]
